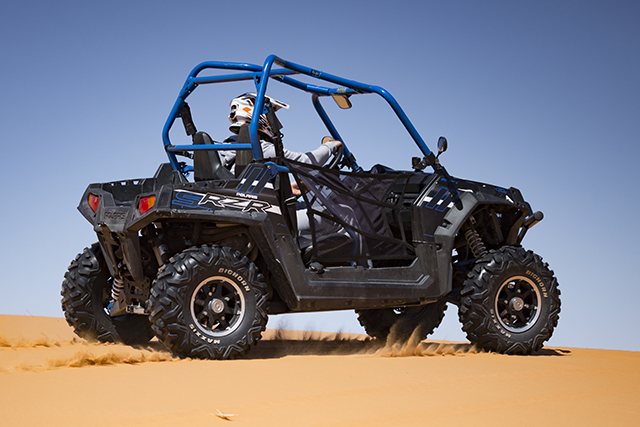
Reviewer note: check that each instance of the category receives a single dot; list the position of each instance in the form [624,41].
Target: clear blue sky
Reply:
[543,96]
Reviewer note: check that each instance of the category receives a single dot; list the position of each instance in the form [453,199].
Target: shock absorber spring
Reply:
[475,243]
[116,288]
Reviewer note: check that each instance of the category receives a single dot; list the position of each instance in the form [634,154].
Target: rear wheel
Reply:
[208,302]
[86,292]
[510,302]
[400,323]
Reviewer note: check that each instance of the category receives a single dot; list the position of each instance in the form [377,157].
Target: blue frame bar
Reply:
[261,75]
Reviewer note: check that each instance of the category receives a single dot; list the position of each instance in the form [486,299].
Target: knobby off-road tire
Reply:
[208,302]
[86,292]
[399,324]
[510,302]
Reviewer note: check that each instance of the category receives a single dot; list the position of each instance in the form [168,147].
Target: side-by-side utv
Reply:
[199,255]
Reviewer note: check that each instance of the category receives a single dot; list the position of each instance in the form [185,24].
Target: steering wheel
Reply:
[337,158]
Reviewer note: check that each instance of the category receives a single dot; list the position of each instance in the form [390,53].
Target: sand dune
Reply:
[48,377]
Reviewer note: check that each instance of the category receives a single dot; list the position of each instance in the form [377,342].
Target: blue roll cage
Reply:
[261,75]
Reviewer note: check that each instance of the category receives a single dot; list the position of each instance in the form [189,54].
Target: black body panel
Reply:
[250,203]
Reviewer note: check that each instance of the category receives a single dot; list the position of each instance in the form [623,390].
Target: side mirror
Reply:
[342,101]
[442,145]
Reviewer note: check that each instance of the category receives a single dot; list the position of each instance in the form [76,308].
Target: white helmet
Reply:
[241,111]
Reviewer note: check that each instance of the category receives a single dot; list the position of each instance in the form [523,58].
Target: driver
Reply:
[241,113]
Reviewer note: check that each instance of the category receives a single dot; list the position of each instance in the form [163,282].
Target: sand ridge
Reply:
[49,377]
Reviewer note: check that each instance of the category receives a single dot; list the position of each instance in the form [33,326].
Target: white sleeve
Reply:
[228,157]
[317,157]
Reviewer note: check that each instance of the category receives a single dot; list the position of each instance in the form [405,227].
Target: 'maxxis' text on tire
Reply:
[510,302]
[208,302]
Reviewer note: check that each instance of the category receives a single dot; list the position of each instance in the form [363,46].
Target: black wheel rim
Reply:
[518,304]
[217,306]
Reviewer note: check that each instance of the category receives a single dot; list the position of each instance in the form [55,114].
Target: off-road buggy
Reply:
[199,256]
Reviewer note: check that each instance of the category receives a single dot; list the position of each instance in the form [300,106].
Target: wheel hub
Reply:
[516,303]
[216,306]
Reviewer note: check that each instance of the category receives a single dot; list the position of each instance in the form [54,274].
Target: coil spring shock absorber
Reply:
[116,289]
[475,243]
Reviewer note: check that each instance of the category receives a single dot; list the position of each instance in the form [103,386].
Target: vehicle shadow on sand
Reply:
[281,345]
[272,349]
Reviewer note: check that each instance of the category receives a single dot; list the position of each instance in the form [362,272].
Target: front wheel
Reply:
[208,302]
[510,302]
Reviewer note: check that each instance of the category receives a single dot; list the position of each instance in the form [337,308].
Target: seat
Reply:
[243,157]
[206,164]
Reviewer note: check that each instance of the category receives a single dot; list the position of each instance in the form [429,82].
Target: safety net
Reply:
[356,218]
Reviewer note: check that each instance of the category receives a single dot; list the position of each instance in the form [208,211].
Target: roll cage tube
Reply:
[261,75]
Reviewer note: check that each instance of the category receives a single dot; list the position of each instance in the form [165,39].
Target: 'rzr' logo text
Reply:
[188,199]
[211,200]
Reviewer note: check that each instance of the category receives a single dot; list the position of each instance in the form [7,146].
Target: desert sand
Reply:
[48,377]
